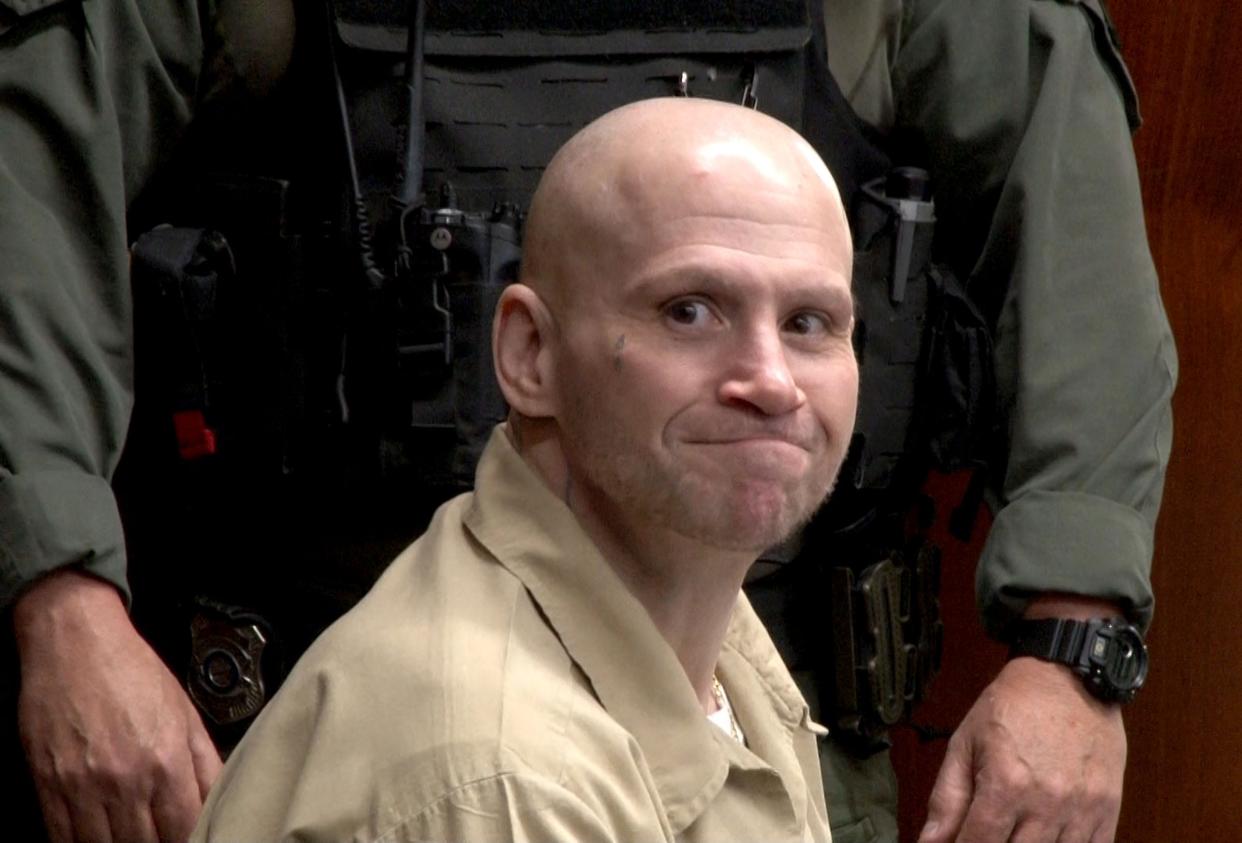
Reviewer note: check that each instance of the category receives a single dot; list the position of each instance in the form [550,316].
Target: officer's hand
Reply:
[1036,760]
[117,750]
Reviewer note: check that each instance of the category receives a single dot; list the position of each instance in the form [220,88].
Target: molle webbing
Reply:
[504,89]
[574,16]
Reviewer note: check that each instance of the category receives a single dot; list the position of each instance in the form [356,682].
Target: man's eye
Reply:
[808,324]
[688,312]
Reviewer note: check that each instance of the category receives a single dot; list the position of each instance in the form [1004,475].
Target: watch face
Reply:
[1119,660]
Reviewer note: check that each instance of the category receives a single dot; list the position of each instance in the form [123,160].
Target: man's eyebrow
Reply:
[677,282]
[838,296]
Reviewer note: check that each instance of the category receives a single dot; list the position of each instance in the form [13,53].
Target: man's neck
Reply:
[690,599]
[689,589]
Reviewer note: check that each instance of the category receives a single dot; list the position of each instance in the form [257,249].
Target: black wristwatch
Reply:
[1108,653]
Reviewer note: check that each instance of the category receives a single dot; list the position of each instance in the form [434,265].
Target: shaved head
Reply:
[677,353]
[595,201]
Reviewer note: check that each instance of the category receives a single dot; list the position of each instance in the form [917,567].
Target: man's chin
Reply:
[753,524]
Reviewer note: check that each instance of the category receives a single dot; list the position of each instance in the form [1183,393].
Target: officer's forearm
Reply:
[60,603]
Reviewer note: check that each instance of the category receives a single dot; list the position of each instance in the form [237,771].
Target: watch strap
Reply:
[1051,639]
[1108,653]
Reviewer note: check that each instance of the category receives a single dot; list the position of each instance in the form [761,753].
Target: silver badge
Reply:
[225,680]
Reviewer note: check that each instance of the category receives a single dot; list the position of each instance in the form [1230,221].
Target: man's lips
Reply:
[760,454]
[796,435]
[754,439]
[754,432]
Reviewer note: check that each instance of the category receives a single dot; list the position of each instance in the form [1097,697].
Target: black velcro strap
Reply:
[583,16]
[1051,639]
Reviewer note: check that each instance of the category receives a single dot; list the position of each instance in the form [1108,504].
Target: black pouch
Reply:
[957,372]
[926,400]
[220,503]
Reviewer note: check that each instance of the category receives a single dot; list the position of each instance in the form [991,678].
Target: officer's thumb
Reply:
[950,797]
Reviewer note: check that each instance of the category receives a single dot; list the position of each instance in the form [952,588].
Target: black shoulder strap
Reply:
[851,148]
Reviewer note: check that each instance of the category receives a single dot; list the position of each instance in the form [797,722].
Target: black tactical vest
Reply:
[313,360]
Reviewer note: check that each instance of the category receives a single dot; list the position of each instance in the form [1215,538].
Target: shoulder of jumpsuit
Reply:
[940,21]
[444,678]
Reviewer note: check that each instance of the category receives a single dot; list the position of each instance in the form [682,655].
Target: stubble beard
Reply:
[729,514]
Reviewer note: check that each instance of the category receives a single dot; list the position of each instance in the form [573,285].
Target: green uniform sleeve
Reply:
[92,92]
[1020,110]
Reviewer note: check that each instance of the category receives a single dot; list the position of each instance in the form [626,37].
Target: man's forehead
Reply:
[629,183]
[730,208]
[779,161]
[734,230]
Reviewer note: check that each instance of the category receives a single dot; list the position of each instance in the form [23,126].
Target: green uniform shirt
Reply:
[501,683]
[1019,109]
[1023,113]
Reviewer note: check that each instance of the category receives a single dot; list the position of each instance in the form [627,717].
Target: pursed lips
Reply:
[754,438]
[744,431]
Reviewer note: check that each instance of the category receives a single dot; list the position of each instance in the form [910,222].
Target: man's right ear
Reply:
[522,335]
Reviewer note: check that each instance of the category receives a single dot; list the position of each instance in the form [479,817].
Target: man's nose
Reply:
[759,376]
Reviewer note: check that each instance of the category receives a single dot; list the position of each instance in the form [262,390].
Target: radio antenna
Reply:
[412,160]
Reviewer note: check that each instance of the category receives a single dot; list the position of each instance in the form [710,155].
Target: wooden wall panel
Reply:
[1184,778]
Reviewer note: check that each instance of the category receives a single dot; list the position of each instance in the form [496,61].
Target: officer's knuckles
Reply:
[987,822]
[1102,802]
[54,762]
[43,768]
[1006,781]
[946,801]
[168,763]
[951,793]
[1040,832]
[1106,795]
[120,777]
[1055,784]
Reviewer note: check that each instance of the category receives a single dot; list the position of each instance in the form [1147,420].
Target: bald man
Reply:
[566,653]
